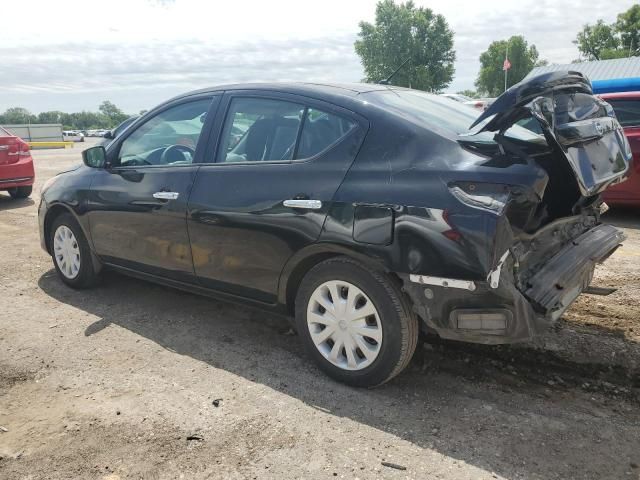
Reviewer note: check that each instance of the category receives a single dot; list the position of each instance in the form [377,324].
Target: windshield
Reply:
[438,113]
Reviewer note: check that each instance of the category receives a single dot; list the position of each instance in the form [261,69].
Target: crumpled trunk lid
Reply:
[580,127]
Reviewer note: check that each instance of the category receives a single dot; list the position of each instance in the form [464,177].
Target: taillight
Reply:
[483,196]
[479,105]
[23,148]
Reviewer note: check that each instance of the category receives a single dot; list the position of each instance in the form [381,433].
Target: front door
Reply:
[138,203]
[279,161]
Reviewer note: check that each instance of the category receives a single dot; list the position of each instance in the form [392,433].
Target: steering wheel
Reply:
[164,158]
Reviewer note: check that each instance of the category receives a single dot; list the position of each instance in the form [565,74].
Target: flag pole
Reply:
[506,70]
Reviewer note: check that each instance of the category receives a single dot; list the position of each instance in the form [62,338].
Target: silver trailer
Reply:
[37,132]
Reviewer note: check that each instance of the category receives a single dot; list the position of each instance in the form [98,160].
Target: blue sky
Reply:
[137,53]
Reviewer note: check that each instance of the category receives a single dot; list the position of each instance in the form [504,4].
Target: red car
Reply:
[16,165]
[627,108]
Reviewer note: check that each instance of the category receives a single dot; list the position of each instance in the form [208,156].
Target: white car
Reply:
[72,136]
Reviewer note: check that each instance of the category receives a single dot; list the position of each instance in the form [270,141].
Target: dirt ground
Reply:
[133,380]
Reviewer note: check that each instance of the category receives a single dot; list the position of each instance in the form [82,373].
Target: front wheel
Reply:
[355,322]
[71,254]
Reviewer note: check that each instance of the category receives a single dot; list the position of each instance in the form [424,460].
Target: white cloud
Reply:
[139,52]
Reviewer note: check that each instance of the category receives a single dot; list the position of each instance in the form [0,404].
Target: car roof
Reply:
[331,92]
[350,89]
[615,95]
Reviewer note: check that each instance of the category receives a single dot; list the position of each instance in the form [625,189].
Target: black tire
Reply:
[20,192]
[399,323]
[87,275]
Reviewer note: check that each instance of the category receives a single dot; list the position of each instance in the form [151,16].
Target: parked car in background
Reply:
[16,165]
[367,212]
[72,136]
[626,106]
[109,135]
[477,103]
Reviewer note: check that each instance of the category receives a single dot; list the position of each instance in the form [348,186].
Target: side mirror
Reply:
[95,157]
[109,135]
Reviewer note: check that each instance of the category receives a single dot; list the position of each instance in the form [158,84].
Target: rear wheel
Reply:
[20,192]
[355,322]
[71,254]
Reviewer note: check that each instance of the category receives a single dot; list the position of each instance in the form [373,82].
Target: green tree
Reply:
[403,31]
[522,57]
[50,117]
[609,53]
[108,117]
[113,113]
[17,115]
[628,27]
[596,41]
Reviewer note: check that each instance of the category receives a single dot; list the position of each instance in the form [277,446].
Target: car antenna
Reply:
[387,81]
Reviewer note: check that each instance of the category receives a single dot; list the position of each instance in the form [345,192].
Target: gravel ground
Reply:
[133,380]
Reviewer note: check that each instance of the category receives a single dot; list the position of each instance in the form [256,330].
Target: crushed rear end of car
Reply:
[532,239]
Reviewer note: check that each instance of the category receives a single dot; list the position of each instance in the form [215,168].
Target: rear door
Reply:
[137,206]
[266,192]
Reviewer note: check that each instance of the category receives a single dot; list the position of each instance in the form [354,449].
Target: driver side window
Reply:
[169,138]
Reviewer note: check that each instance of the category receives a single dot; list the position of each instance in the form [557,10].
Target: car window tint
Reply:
[169,138]
[260,129]
[627,112]
[321,129]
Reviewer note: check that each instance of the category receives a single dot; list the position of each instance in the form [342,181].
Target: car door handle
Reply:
[166,195]
[307,204]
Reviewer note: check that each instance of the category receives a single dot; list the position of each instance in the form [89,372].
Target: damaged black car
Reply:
[368,213]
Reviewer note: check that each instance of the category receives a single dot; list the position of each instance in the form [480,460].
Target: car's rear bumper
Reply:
[475,311]
[439,307]
[559,282]
[19,174]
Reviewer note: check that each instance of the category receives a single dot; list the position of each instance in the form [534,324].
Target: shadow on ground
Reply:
[468,407]
[8,203]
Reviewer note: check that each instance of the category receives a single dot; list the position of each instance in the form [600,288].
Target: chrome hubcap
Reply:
[344,325]
[66,252]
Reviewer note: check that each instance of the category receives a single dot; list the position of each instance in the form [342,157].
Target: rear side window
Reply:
[261,129]
[627,112]
[320,130]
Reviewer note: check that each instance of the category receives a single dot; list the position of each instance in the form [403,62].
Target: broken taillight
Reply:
[483,196]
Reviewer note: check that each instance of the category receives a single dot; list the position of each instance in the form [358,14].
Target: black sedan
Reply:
[367,212]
